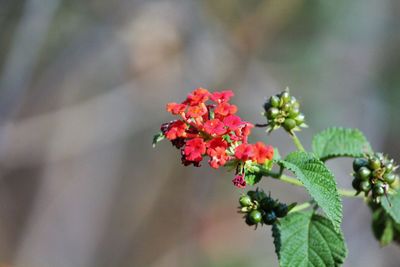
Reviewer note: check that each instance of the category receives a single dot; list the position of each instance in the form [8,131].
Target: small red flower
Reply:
[187,162]
[233,122]
[247,129]
[200,95]
[221,97]
[197,111]
[175,108]
[262,152]
[176,129]
[217,142]
[239,181]
[244,152]
[194,149]
[214,127]
[216,149]
[225,109]
[243,132]
[218,157]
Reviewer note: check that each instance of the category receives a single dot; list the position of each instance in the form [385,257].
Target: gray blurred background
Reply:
[83,87]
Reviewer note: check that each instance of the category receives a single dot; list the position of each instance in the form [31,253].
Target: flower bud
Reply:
[245,201]
[364,173]
[274,101]
[255,216]
[272,113]
[358,163]
[283,110]
[374,173]
[269,218]
[289,124]
[374,163]
[281,210]
[260,208]
[389,178]
[365,186]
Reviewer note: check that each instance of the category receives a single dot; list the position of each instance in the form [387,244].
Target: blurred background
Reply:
[83,87]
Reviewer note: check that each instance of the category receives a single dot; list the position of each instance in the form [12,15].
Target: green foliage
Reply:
[277,156]
[254,172]
[319,182]
[385,229]
[157,138]
[276,235]
[394,208]
[308,239]
[387,234]
[340,142]
[252,178]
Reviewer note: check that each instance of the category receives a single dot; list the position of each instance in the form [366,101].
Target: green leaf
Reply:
[276,156]
[252,178]
[388,233]
[378,222]
[276,235]
[254,172]
[308,239]
[319,182]
[340,142]
[227,138]
[394,210]
[383,226]
[157,138]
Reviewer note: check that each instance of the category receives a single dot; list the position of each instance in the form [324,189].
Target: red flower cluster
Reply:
[258,152]
[209,127]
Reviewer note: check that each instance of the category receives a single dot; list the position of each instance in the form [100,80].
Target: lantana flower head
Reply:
[208,127]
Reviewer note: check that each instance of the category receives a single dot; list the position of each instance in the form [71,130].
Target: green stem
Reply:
[290,180]
[341,191]
[301,207]
[297,142]
[349,193]
[296,182]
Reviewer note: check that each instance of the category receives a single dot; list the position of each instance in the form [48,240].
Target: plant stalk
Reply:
[301,207]
[297,142]
[296,182]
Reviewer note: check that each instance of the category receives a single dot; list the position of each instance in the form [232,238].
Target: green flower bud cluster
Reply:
[259,207]
[374,173]
[283,110]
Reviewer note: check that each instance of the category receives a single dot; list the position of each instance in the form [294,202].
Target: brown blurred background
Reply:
[83,86]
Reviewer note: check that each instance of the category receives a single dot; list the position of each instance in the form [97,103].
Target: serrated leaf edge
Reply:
[335,221]
[330,130]
[336,257]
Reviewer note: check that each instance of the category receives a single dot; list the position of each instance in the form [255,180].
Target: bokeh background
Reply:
[83,87]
